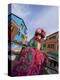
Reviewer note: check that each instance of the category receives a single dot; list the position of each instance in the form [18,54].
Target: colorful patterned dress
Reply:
[31,61]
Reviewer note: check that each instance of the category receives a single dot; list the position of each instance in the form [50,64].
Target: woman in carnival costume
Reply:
[32,61]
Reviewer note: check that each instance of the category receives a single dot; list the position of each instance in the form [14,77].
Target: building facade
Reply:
[52,42]
[50,45]
[16,28]
[12,30]
[17,33]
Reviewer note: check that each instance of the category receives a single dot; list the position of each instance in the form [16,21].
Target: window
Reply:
[51,46]
[18,33]
[12,28]
[22,25]
[48,45]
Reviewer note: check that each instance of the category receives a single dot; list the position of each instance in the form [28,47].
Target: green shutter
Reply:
[12,28]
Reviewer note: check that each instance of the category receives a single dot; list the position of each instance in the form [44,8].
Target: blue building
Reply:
[16,28]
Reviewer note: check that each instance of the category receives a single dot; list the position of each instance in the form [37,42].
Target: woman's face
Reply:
[39,37]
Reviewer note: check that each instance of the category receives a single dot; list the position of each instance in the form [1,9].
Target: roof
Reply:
[16,19]
[52,34]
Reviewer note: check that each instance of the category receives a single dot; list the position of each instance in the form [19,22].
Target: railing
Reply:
[50,68]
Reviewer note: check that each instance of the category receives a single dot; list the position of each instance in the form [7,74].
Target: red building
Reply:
[13,29]
[52,43]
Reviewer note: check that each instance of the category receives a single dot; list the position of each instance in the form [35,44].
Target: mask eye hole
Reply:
[37,34]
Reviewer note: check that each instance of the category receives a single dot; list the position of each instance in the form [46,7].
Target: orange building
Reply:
[52,43]
[13,29]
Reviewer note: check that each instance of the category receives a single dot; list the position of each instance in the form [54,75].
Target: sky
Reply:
[36,16]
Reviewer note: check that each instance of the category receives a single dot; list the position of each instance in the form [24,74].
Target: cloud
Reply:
[20,10]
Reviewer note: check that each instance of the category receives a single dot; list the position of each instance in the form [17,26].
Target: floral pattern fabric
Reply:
[31,62]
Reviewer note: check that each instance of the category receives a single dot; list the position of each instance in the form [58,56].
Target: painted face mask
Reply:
[39,34]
